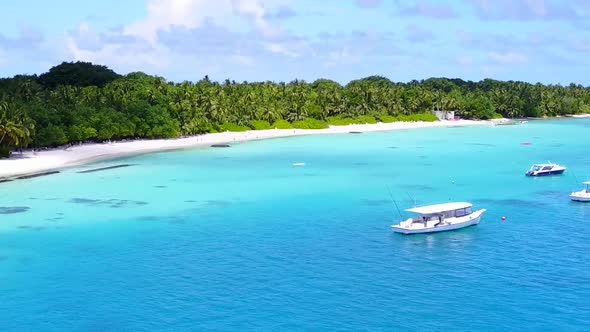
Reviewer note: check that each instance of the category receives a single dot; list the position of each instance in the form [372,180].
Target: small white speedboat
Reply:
[545,169]
[582,195]
[439,218]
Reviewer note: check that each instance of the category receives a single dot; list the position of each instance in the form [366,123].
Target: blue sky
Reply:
[544,41]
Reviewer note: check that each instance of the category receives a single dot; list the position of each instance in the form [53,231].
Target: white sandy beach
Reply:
[30,162]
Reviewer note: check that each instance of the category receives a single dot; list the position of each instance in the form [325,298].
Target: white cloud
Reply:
[242,60]
[279,49]
[464,60]
[141,44]
[128,55]
[162,14]
[507,58]
[342,57]
[257,12]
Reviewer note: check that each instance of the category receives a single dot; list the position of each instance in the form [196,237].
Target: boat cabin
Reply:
[542,167]
[440,212]
[439,217]
[582,195]
[545,169]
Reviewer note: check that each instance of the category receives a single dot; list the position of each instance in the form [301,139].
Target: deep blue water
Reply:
[237,239]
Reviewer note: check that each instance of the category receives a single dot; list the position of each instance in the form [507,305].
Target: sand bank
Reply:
[30,162]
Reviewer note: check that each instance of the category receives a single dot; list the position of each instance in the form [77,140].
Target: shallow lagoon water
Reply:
[238,239]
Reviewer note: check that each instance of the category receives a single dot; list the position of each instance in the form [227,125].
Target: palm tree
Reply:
[15,128]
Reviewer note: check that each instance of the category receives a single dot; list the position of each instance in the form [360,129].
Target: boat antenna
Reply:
[411,198]
[394,203]
[575,177]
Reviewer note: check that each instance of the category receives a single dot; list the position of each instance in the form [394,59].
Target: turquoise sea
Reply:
[236,239]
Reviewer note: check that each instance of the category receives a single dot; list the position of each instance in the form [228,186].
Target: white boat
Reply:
[439,218]
[582,195]
[506,122]
[545,169]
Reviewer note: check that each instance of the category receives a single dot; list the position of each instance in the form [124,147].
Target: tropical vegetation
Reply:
[80,101]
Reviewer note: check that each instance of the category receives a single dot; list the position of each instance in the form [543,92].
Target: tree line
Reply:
[80,101]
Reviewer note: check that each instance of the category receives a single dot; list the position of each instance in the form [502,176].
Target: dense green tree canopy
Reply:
[76,102]
[77,74]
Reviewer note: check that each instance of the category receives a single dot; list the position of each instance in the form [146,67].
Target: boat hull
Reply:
[474,219]
[556,172]
[579,198]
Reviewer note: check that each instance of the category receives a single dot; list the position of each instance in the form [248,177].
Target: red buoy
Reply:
[526,143]
[503,218]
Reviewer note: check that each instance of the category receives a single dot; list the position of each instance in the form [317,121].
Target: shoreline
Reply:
[30,163]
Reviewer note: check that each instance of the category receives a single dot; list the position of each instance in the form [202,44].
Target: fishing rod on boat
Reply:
[411,198]
[575,177]
[394,202]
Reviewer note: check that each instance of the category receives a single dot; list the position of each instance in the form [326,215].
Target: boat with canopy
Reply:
[582,195]
[439,218]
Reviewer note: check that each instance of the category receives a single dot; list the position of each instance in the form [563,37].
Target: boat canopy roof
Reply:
[587,182]
[438,208]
